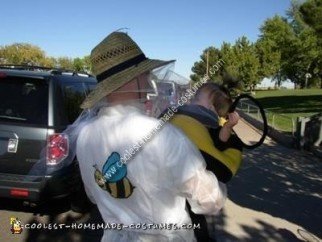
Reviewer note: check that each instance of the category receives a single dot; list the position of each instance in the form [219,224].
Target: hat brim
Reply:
[116,81]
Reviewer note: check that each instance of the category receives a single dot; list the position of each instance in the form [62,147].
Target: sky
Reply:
[167,30]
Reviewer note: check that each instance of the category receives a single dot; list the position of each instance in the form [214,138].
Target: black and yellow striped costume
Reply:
[222,158]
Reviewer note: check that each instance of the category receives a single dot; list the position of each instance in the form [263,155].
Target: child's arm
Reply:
[226,130]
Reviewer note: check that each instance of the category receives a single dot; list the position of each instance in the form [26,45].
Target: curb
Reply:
[280,137]
[276,135]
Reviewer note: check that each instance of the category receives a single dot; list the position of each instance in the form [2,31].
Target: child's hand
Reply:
[225,132]
[233,119]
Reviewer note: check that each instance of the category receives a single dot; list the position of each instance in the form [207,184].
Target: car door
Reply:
[23,122]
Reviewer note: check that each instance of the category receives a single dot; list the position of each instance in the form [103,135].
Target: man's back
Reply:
[158,171]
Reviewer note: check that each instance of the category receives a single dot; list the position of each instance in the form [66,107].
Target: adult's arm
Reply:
[204,192]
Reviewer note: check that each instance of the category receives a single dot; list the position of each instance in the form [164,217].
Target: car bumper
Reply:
[21,187]
[35,188]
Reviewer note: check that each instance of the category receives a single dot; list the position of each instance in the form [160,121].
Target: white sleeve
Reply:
[191,179]
[205,194]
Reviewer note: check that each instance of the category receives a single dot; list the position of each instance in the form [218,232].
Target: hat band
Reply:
[121,67]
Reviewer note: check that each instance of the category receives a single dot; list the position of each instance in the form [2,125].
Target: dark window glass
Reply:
[23,100]
[90,87]
[74,94]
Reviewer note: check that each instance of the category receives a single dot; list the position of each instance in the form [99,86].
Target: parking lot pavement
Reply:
[65,224]
[276,196]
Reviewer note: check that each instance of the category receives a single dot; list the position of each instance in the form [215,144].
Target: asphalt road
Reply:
[275,196]
[65,225]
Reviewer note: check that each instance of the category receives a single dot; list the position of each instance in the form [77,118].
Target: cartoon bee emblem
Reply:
[16,227]
[113,177]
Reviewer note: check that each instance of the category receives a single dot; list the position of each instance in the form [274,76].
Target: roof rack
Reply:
[57,71]
[23,67]
[54,71]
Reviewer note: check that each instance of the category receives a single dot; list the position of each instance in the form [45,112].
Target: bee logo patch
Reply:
[16,226]
[113,177]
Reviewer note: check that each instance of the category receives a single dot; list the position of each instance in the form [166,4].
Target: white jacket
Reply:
[166,172]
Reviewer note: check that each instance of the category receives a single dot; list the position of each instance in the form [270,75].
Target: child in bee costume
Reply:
[137,170]
[203,124]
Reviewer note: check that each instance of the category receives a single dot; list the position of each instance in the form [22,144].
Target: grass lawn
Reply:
[288,104]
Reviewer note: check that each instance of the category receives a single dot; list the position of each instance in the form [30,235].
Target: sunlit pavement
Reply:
[276,196]
[72,225]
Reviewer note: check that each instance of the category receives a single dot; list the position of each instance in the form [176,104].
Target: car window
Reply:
[23,100]
[74,94]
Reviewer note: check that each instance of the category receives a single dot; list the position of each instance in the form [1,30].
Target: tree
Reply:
[87,64]
[28,54]
[303,58]
[293,45]
[268,47]
[230,65]
[82,64]
[311,12]
[78,64]
[65,63]
[247,65]
[200,67]
[269,59]
[23,54]
[307,59]
[276,36]
[231,62]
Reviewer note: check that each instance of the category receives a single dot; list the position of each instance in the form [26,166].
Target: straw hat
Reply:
[116,61]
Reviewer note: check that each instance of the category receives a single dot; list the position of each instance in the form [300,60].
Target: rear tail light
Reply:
[3,75]
[57,148]
[19,192]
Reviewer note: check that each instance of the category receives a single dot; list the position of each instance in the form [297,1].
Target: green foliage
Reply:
[87,65]
[306,59]
[276,33]
[64,63]
[247,63]
[22,53]
[269,59]
[230,63]
[296,45]
[200,67]
[311,12]
[82,64]
[27,54]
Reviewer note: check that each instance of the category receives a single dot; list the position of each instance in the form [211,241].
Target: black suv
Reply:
[36,105]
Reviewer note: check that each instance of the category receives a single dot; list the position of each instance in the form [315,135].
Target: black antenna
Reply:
[121,30]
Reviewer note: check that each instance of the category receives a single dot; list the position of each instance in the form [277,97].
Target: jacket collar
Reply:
[118,110]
